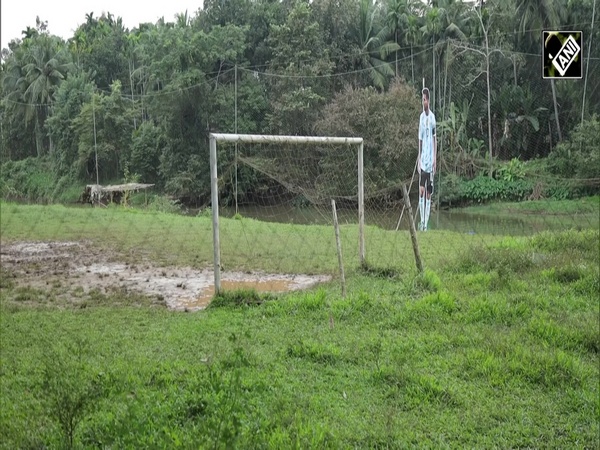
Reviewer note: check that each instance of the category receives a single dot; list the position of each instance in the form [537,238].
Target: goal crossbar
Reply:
[264,138]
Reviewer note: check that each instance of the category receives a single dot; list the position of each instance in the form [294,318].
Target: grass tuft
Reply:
[240,297]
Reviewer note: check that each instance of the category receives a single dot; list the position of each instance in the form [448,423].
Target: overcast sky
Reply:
[64,16]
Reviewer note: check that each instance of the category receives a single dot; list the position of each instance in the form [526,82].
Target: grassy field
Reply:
[495,346]
[246,244]
[582,207]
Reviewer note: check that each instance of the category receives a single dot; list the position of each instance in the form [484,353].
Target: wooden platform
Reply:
[98,194]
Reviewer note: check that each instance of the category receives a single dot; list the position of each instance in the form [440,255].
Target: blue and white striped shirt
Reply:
[426,134]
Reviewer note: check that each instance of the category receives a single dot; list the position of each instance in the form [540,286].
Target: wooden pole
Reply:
[413,231]
[338,243]
[409,187]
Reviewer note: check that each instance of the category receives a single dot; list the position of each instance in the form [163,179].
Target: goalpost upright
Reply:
[262,138]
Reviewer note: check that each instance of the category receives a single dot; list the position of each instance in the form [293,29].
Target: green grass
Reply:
[246,244]
[495,346]
[583,206]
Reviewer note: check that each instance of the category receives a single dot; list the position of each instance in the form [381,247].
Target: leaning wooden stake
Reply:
[413,231]
[410,186]
[339,247]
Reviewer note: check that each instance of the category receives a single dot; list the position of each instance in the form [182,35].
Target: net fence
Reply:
[476,93]
[501,171]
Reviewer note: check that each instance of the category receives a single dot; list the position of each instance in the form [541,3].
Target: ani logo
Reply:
[562,54]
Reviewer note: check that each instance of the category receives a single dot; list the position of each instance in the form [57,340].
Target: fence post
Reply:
[214,188]
[413,231]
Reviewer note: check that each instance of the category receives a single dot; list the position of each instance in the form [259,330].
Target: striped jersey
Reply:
[426,134]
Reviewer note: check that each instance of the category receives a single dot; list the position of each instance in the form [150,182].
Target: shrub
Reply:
[579,157]
[29,179]
[449,189]
[70,388]
[162,203]
[483,189]
[386,120]
[512,171]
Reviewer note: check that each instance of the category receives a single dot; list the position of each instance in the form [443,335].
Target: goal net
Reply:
[272,205]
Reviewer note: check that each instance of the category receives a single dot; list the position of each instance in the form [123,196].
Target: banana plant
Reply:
[461,154]
[521,119]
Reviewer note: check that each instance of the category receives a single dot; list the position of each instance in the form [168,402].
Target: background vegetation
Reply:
[143,100]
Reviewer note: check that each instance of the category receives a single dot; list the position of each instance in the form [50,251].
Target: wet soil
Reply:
[75,272]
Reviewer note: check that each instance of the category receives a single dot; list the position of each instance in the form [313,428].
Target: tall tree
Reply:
[104,129]
[535,16]
[101,46]
[74,92]
[483,17]
[412,37]
[300,63]
[444,20]
[45,64]
[396,16]
[373,38]
[337,19]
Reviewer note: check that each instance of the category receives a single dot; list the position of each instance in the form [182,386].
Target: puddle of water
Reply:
[190,290]
[270,285]
[182,288]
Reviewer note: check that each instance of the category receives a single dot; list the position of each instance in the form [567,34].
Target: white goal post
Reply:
[262,138]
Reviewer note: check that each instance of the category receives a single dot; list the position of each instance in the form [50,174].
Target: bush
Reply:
[67,190]
[483,189]
[449,188]
[579,157]
[387,121]
[511,171]
[162,203]
[30,179]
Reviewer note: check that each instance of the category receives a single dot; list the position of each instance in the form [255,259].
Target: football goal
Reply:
[284,175]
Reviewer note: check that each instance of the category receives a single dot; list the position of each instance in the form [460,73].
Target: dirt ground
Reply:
[74,272]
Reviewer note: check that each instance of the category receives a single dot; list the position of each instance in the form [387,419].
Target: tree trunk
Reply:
[432,106]
[39,144]
[489,99]
[556,110]
[396,36]
[131,70]
[412,63]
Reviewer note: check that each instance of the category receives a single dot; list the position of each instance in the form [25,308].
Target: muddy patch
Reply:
[72,270]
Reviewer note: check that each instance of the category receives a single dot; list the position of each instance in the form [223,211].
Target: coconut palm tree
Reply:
[444,19]
[45,64]
[374,44]
[412,37]
[402,17]
[535,16]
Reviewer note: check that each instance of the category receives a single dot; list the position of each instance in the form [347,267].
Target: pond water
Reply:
[516,224]
[521,224]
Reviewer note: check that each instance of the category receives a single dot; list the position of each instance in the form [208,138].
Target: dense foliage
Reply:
[142,101]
